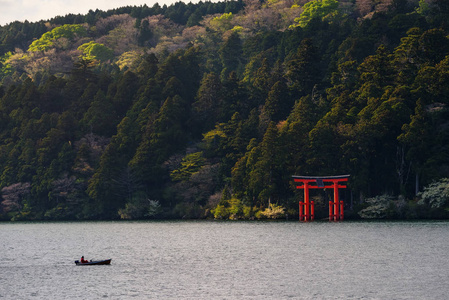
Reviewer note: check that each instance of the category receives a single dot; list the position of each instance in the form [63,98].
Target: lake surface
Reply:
[225,260]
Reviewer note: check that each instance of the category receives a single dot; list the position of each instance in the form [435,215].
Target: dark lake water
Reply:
[225,260]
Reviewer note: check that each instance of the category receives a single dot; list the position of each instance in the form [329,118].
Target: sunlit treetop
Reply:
[65,31]
[96,51]
[323,9]
[223,22]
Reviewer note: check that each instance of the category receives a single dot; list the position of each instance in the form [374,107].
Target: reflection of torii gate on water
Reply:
[307,208]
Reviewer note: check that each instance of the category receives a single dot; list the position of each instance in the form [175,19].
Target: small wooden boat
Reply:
[96,262]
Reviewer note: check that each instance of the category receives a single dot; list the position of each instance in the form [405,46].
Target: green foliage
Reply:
[302,69]
[322,9]
[95,51]
[238,28]
[100,118]
[190,164]
[423,8]
[231,209]
[223,22]
[48,39]
[220,212]
[230,54]
[274,212]
[5,67]
[252,102]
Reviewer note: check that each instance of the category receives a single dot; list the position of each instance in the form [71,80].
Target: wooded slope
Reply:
[207,110]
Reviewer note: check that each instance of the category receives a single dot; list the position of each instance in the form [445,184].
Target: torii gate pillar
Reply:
[307,207]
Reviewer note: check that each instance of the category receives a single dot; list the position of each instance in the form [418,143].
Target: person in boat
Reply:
[83,261]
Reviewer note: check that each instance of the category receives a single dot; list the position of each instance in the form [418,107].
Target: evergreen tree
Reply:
[207,108]
[302,69]
[169,133]
[100,118]
[230,54]
[278,103]
[416,136]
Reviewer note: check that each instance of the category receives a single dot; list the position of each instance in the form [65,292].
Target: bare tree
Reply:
[13,195]
[63,186]
[104,25]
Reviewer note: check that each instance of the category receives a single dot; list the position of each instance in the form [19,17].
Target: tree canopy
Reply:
[206,110]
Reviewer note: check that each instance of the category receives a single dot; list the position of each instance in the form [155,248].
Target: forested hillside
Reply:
[206,110]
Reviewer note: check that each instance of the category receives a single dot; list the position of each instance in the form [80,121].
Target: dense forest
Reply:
[206,110]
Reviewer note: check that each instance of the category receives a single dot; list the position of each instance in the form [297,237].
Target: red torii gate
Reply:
[307,208]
